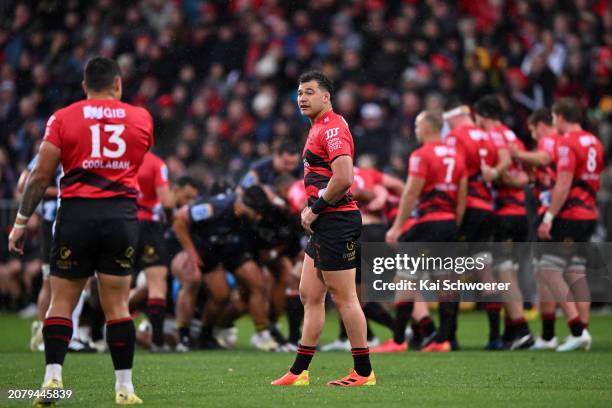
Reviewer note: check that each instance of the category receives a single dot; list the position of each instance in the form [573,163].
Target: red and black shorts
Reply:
[151,249]
[94,235]
[568,233]
[477,225]
[508,230]
[333,246]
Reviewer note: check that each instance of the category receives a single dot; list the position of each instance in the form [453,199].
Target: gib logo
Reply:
[333,132]
[99,112]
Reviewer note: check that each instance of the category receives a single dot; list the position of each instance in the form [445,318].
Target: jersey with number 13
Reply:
[102,145]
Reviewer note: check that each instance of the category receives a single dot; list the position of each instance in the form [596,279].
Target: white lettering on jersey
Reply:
[99,112]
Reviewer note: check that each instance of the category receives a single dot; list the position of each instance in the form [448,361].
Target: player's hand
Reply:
[392,235]
[194,260]
[513,150]
[544,231]
[308,217]
[16,241]
[488,173]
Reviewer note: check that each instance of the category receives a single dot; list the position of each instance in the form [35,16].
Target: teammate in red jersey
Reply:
[371,188]
[571,217]
[485,160]
[155,204]
[542,159]
[334,222]
[437,189]
[100,142]
[510,225]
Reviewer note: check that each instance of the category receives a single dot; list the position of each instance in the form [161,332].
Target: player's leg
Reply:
[190,279]
[312,294]
[156,301]
[218,291]
[281,269]
[114,292]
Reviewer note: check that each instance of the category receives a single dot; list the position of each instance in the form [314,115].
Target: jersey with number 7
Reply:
[102,145]
[442,167]
[581,154]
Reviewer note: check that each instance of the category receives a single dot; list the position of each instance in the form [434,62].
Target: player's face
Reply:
[311,98]
[559,123]
[420,128]
[286,162]
[479,121]
[184,195]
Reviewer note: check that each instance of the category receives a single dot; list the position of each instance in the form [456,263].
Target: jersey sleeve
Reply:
[417,165]
[498,140]
[53,131]
[250,179]
[32,163]
[547,145]
[566,157]
[337,141]
[201,212]
[377,176]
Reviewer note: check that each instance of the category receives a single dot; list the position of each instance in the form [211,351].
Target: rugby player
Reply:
[437,188]
[510,225]
[155,204]
[100,143]
[333,220]
[571,218]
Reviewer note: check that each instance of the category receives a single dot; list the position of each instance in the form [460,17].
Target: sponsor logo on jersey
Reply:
[99,112]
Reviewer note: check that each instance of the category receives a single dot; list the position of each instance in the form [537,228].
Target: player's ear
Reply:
[118,86]
[84,87]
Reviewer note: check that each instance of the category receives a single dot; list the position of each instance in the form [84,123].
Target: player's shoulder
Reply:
[332,121]
[261,163]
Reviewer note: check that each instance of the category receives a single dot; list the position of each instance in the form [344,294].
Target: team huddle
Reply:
[195,261]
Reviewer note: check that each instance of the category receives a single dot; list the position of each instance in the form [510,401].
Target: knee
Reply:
[310,298]
[191,282]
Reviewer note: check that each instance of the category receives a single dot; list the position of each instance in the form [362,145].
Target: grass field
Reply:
[240,378]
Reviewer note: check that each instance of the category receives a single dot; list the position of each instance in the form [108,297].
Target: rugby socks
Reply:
[426,326]
[295,314]
[576,326]
[303,358]
[404,312]
[446,312]
[508,329]
[493,313]
[375,312]
[184,333]
[361,360]
[57,332]
[156,308]
[121,336]
[519,327]
[548,326]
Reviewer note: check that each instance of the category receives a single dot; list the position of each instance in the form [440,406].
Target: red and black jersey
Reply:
[366,179]
[545,175]
[328,138]
[442,168]
[508,200]
[580,153]
[102,145]
[153,173]
[476,147]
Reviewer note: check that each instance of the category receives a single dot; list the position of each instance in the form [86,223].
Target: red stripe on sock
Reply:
[516,322]
[156,301]
[60,321]
[548,316]
[493,306]
[117,321]
[398,304]
[65,339]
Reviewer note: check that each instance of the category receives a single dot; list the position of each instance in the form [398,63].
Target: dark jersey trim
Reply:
[80,175]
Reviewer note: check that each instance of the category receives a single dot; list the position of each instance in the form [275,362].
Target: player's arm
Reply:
[515,179]
[408,200]
[504,161]
[381,195]
[36,184]
[393,184]
[181,229]
[363,195]
[461,199]
[537,158]
[166,198]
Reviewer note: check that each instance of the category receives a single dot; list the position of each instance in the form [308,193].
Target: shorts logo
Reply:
[129,252]
[350,254]
[350,246]
[65,253]
[149,254]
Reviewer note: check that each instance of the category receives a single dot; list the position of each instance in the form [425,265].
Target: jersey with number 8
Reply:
[581,154]
[102,144]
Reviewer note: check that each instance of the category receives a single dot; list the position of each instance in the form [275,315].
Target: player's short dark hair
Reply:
[489,107]
[323,81]
[569,109]
[100,73]
[452,103]
[541,115]
[286,146]
[184,181]
[256,198]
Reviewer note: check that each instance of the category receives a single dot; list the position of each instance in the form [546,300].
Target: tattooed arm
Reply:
[36,185]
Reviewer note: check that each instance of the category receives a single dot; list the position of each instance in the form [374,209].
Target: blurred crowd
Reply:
[219,77]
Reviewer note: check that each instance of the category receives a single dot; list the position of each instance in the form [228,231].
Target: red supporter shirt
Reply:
[297,197]
[580,153]
[366,179]
[509,201]
[442,167]
[152,174]
[545,175]
[328,138]
[476,147]
[102,145]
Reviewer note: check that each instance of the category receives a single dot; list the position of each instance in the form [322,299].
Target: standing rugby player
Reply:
[100,142]
[334,222]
